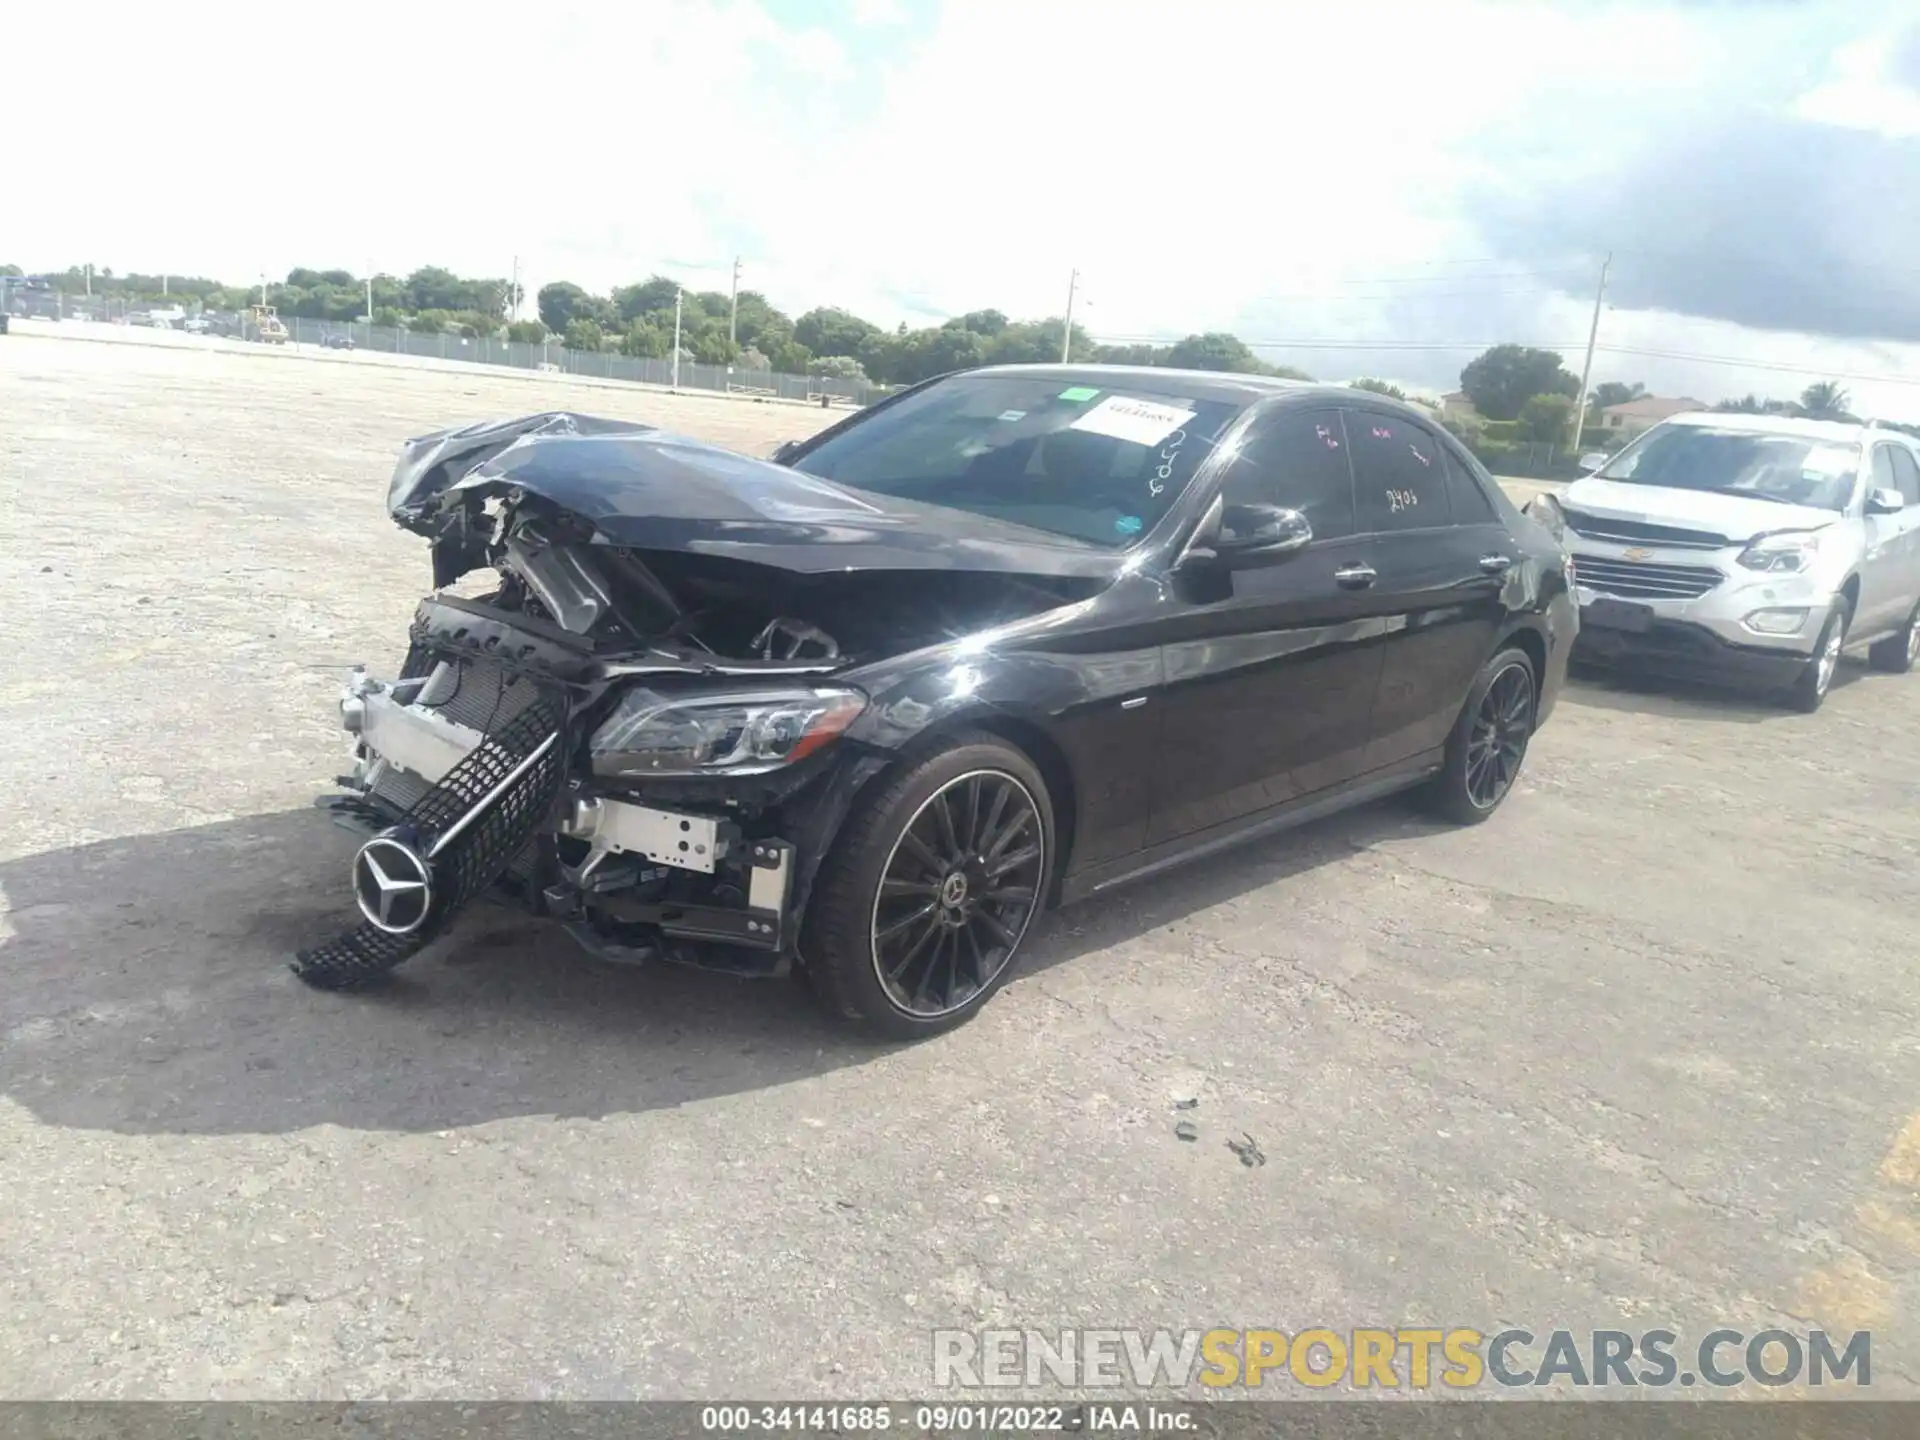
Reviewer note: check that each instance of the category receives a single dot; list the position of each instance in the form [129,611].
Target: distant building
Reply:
[1457,404]
[1624,421]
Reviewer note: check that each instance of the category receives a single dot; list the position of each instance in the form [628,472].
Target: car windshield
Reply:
[1791,469]
[1090,462]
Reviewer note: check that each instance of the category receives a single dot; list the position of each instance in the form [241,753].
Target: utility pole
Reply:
[369,296]
[163,287]
[678,294]
[733,320]
[1066,333]
[89,282]
[263,292]
[1586,370]
[513,295]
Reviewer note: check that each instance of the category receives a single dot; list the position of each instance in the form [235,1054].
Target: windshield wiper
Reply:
[1702,489]
[1751,495]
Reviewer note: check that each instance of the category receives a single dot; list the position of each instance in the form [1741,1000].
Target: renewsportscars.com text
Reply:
[1399,1358]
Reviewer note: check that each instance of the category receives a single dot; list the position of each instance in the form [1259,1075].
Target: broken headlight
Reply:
[744,733]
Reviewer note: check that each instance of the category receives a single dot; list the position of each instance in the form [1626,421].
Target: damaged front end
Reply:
[649,727]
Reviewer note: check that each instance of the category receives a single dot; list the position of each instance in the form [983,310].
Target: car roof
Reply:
[1834,432]
[1224,385]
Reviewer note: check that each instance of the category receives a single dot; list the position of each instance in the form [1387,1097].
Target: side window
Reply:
[1883,473]
[1297,458]
[1906,471]
[1465,493]
[1399,474]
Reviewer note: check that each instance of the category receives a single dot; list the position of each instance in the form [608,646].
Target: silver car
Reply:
[1747,548]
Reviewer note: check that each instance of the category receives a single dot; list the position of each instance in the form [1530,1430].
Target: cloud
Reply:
[1764,220]
[1378,173]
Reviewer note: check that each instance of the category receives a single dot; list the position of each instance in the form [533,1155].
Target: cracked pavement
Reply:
[1640,1052]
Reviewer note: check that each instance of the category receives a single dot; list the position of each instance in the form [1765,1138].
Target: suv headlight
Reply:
[742,733]
[1545,511]
[1784,552]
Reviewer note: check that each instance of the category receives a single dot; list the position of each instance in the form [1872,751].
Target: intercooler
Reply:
[478,694]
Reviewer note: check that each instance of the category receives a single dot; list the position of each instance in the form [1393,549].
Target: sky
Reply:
[1378,187]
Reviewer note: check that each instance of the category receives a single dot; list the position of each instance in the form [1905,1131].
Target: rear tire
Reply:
[1809,692]
[930,889]
[1897,653]
[1489,741]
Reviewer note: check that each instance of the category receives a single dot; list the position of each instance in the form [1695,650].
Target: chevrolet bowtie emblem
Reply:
[1637,554]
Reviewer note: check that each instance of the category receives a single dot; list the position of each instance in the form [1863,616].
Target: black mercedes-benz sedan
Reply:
[857,713]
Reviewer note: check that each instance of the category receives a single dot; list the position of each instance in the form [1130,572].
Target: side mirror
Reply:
[1592,461]
[785,451]
[1885,502]
[1258,534]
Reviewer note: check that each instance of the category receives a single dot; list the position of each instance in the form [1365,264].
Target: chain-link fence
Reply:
[449,345]
[601,364]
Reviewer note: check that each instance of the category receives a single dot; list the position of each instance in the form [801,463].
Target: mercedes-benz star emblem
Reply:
[393,885]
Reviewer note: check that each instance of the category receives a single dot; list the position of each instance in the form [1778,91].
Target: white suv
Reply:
[1747,547]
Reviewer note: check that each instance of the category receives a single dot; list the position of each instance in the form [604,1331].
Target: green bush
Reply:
[1501,431]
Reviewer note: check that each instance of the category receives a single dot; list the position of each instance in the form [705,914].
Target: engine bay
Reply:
[555,567]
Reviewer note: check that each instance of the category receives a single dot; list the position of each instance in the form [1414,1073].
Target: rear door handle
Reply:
[1495,564]
[1356,577]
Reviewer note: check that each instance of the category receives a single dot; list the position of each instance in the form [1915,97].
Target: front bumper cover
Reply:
[1681,650]
[563,851]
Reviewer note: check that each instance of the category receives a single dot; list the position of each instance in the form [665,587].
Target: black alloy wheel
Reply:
[957,893]
[1489,741]
[929,889]
[1497,742]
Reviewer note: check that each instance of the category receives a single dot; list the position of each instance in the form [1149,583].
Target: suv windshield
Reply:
[1792,469]
[1083,461]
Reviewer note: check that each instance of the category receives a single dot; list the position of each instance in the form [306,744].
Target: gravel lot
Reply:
[1641,1051]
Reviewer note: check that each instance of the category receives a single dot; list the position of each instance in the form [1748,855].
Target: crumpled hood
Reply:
[652,490]
[1733,516]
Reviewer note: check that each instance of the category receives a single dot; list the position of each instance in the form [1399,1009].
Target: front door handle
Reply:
[1356,577]
[1495,564]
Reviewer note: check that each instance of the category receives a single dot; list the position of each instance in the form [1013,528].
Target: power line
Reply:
[1347,344]
[1336,286]
[1794,267]
[1775,366]
[1417,346]
[1402,295]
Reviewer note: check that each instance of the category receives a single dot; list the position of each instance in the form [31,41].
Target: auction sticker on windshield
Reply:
[1142,422]
[1827,460]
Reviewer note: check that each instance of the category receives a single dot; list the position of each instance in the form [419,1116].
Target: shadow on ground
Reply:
[143,989]
[1628,690]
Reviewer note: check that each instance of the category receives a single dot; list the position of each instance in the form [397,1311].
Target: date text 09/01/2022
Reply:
[945,1419]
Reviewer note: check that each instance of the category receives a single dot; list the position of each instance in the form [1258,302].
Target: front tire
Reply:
[1897,653]
[930,889]
[1489,741]
[1809,692]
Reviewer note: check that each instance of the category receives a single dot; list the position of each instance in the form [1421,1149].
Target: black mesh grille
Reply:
[474,858]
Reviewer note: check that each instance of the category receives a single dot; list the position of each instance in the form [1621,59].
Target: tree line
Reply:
[1532,391]
[1527,393]
[715,328]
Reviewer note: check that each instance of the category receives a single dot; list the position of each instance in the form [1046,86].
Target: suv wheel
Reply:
[1897,653]
[930,889]
[1489,741]
[1809,692]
